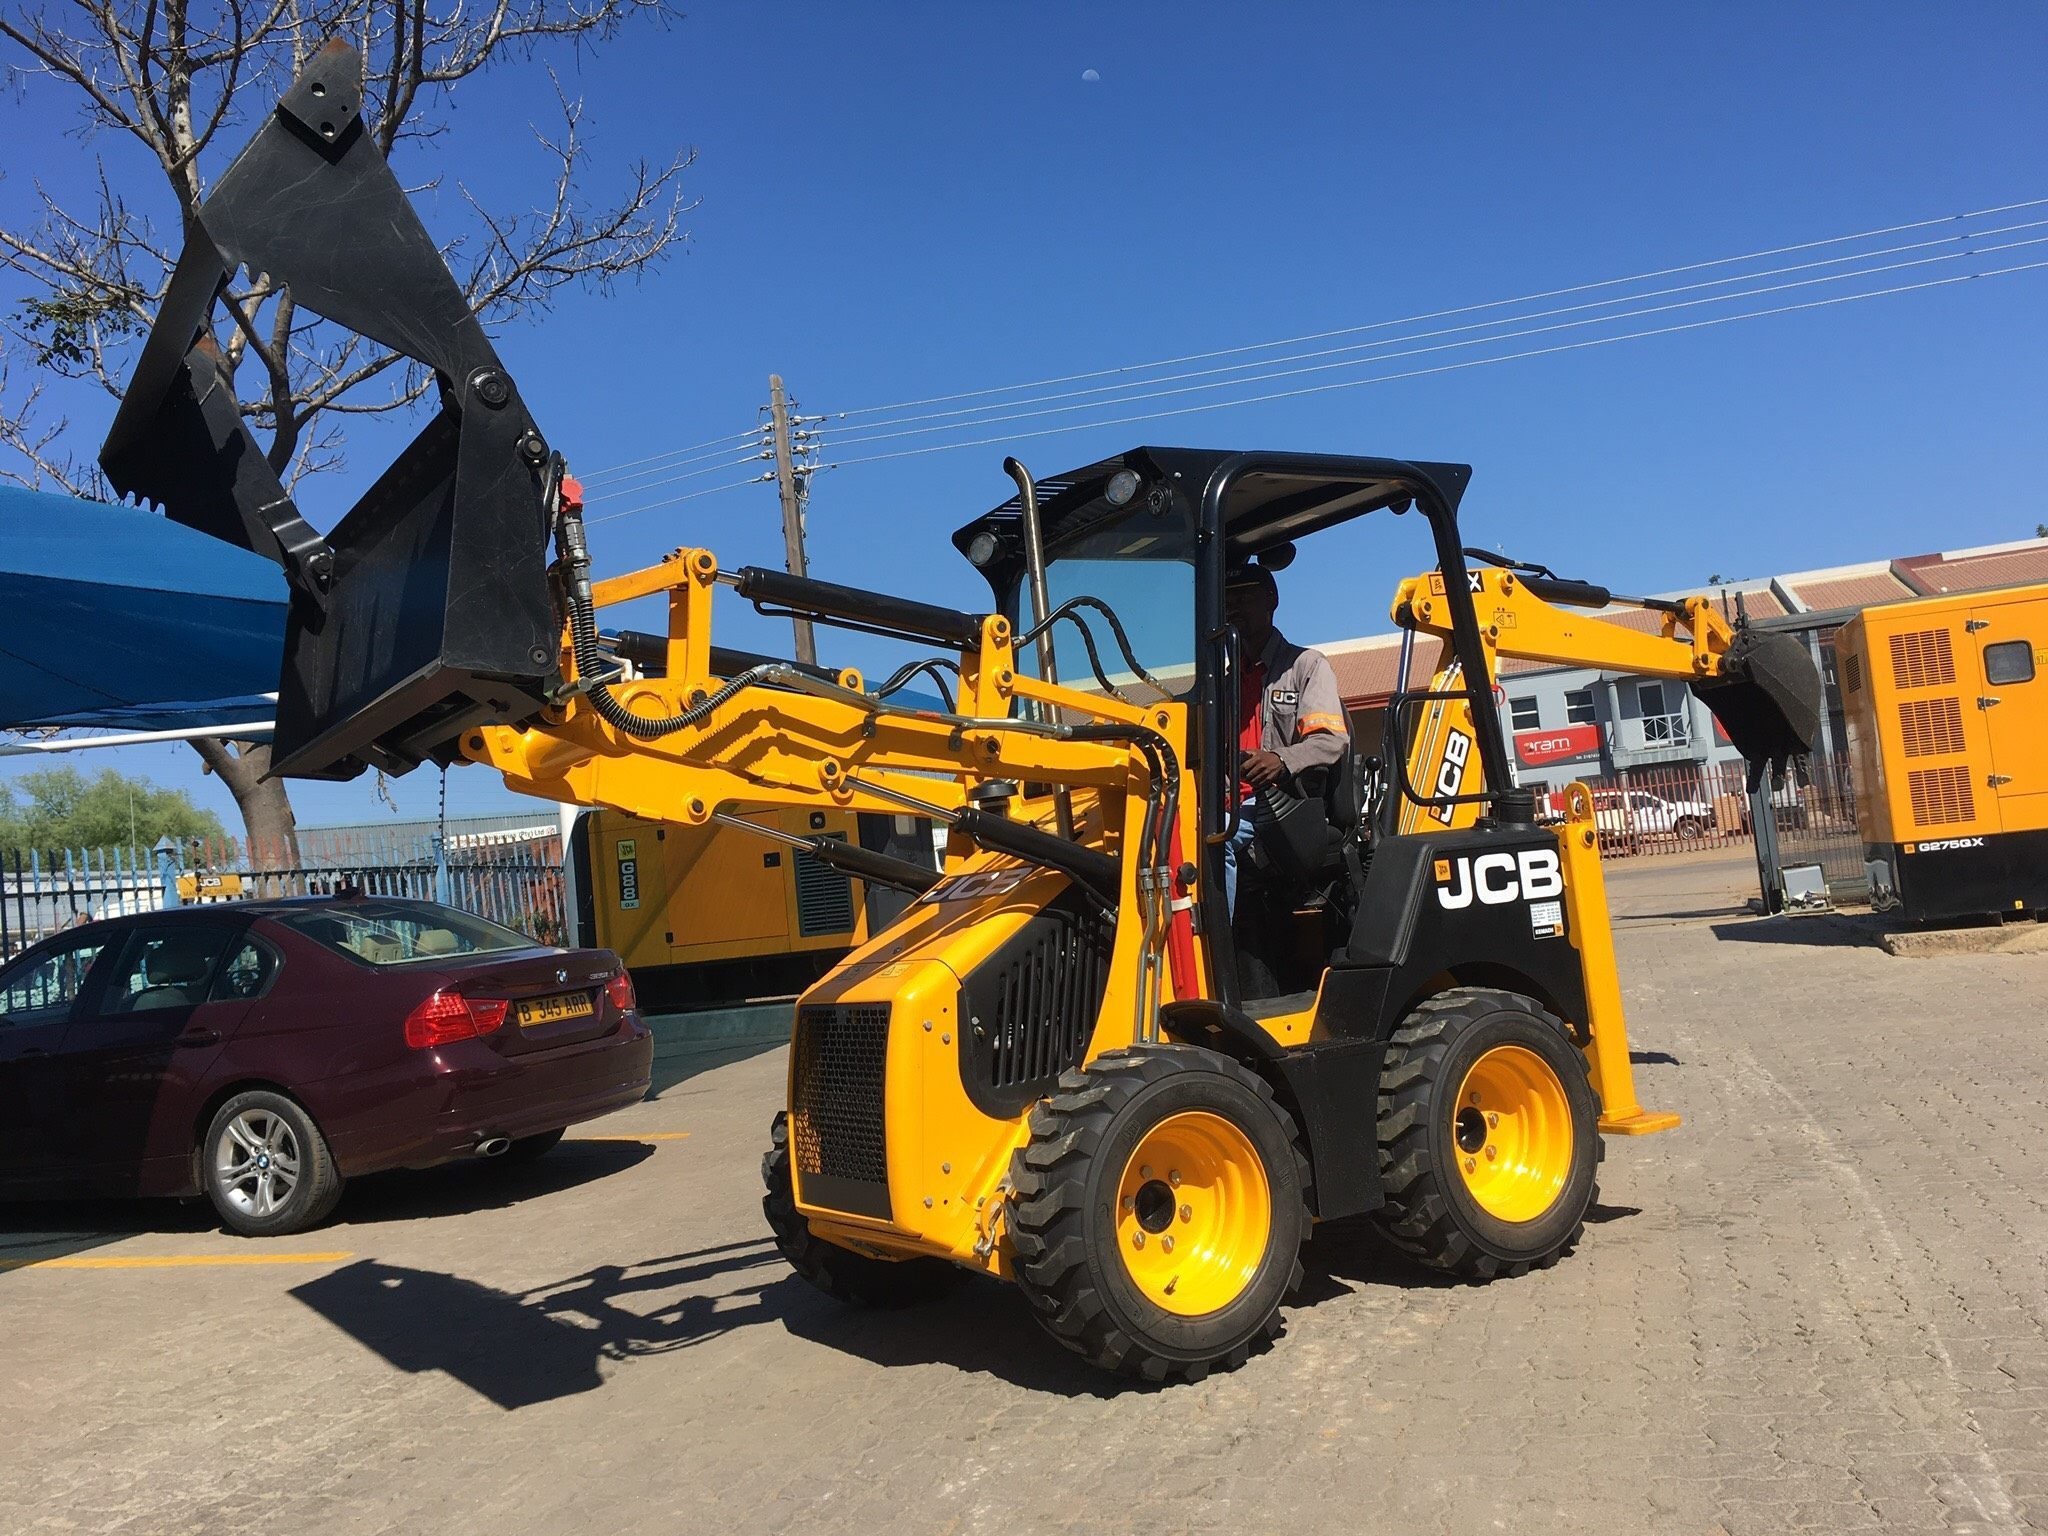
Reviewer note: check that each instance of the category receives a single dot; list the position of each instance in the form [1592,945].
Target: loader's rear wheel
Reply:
[839,1272]
[1489,1135]
[1160,1207]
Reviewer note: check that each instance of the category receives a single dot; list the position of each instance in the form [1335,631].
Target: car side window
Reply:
[2009,661]
[247,973]
[41,991]
[164,966]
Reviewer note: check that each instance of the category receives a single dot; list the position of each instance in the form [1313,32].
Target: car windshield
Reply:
[396,932]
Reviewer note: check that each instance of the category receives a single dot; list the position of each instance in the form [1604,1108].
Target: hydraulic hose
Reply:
[590,658]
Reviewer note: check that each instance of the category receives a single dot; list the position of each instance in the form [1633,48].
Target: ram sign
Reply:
[1564,744]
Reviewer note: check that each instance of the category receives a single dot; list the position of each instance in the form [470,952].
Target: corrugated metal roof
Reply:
[1975,573]
[1367,671]
[1858,591]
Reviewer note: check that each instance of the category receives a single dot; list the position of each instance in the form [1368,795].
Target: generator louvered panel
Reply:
[824,898]
[1852,672]
[836,1111]
[1931,727]
[1923,659]
[1942,796]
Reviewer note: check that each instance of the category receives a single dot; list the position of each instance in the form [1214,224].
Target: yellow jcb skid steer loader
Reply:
[1046,1069]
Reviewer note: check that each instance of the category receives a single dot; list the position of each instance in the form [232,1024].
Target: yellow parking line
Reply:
[175,1260]
[643,1136]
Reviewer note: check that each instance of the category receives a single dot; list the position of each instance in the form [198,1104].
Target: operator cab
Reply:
[1151,536]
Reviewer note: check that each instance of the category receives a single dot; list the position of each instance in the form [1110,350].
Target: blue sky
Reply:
[899,201]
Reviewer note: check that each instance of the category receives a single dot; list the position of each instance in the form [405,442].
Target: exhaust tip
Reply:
[493,1146]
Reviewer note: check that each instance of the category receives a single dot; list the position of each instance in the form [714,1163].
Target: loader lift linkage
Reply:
[1046,1068]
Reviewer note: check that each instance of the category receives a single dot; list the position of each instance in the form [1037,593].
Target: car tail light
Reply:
[447,1016]
[619,991]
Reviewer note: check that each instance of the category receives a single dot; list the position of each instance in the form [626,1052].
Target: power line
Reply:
[1126,391]
[724,467]
[671,501]
[1511,335]
[1440,314]
[1416,373]
[712,442]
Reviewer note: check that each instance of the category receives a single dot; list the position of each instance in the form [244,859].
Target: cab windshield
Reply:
[1142,567]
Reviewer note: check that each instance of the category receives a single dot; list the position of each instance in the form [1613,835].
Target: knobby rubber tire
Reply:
[320,1182]
[1062,1219]
[842,1274]
[1429,1215]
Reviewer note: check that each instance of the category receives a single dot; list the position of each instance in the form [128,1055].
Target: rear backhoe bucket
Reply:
[1767,698]
[428,609]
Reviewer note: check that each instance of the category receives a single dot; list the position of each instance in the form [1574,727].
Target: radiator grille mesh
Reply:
[836,1118]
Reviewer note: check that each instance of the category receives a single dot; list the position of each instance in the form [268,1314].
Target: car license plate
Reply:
[548,1010]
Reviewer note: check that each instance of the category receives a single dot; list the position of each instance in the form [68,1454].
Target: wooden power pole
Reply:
[792,493]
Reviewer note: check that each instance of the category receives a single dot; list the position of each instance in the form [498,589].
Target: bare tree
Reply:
[174,76]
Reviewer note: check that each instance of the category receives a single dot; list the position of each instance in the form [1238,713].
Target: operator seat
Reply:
[1305,842]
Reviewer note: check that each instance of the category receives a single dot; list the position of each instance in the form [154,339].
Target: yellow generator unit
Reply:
[1947,710]
[705,915]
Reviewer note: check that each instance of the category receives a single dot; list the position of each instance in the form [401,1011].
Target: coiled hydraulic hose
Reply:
[583,636]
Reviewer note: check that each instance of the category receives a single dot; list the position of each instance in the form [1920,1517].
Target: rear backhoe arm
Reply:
[1762,686]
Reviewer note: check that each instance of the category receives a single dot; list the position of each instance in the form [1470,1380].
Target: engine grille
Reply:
[836,1116]
[1032,1005]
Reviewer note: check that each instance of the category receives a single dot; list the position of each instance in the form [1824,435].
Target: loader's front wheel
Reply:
[1489,1135]
[1159,1211]
[839,1272]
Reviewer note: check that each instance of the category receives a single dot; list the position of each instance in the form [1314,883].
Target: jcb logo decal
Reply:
[1450,775]
[1534,874]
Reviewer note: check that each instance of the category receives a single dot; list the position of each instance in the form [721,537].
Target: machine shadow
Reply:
[516,1349]
[1819,931]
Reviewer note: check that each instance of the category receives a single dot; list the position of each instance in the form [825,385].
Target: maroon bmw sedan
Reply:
[265,1052]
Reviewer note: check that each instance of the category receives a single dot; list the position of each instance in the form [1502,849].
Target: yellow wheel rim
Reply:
[1512,1134]
[1194,1213]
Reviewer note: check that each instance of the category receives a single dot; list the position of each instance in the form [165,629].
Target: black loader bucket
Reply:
[428,609]
[1767,699]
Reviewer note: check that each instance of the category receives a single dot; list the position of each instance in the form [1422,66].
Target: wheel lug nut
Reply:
[1492,1153]
[1137,1239]
[1145,1170]
[1187,1213]
[1470,1165]
[1493,1117]
[1173,1178]
[1166,1243]
[1130,1202]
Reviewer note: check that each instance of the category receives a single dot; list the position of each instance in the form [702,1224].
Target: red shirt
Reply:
[1251,735]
